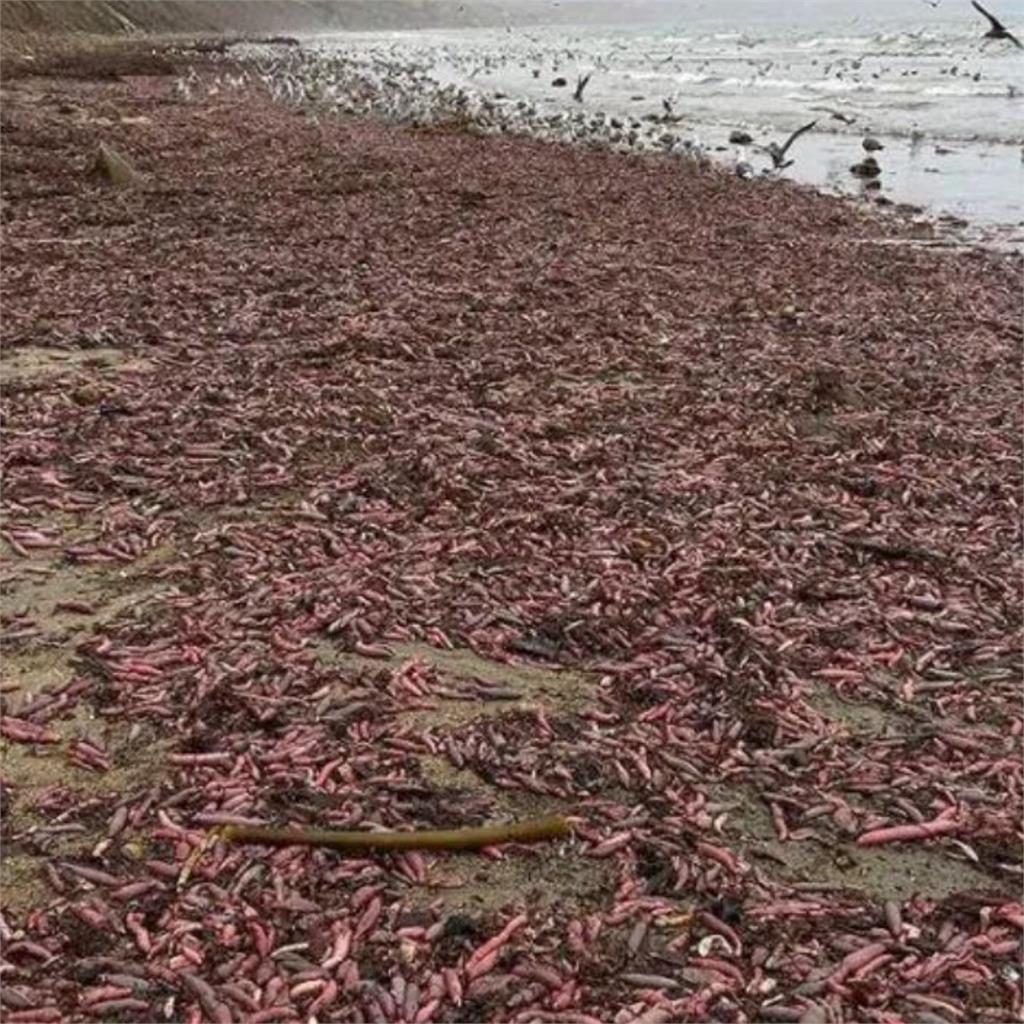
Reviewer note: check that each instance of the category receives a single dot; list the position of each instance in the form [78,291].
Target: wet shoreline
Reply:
[953,174]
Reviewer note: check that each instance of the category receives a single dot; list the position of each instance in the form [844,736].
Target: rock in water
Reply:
[867,168]
[112,168]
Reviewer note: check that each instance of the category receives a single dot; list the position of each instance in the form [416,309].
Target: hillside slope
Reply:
[113,17]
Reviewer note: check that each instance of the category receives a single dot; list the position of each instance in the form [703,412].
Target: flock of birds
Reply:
[372,84]
[381,83]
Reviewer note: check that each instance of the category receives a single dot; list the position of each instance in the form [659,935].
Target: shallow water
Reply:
[946,104]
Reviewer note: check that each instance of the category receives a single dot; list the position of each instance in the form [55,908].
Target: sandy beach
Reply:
[362,476]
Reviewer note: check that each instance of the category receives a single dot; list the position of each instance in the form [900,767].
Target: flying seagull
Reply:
[998,29]
[581,84]
[778,153]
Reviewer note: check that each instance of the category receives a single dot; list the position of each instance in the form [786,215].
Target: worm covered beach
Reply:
[360,476]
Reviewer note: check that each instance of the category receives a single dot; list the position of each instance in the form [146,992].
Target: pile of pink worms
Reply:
[718,448]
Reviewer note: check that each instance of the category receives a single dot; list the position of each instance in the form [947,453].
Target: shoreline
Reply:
[342,84]
[925,165]
[190,49]
[367,476]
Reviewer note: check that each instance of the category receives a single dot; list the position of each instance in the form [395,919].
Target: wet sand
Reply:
[355,413]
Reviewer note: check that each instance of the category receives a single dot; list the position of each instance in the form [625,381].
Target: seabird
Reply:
[998,29]
[581,84]
[837,115]
[778,153]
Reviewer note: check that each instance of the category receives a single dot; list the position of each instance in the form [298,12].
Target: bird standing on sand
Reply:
[778,153]
[998,29]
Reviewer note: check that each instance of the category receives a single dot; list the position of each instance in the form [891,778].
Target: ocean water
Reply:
[947,105]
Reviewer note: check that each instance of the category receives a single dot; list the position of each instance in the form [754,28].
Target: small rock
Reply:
[871,145]
[113,168]
[559,83]
[867,168]
[740,138]
[88,394]
[534,646]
